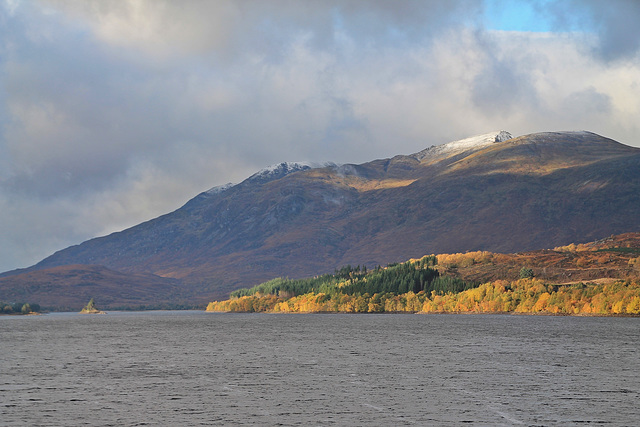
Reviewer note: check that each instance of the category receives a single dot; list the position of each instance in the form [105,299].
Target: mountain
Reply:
[490,192]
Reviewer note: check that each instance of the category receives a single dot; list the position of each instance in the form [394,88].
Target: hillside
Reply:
[69,287]
[611,258]
[601,278]
[490,192]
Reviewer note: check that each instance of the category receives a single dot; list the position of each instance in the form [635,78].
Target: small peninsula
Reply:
[21,308]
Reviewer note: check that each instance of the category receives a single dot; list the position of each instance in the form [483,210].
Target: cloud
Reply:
[614,22]
[502,82]
[116,112]
[588,102]
[228,29]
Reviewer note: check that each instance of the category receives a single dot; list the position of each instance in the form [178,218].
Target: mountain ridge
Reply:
[521,193]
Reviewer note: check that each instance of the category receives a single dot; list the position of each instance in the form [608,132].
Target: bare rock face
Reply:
[489,192]
[502,136]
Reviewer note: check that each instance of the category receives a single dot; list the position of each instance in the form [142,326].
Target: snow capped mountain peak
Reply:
[278,170]
[461,145]
[282,168]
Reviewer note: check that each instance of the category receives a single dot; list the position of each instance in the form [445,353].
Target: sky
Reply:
[115,112]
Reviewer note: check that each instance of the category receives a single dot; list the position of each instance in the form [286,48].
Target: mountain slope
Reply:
[70,287]
[491,192]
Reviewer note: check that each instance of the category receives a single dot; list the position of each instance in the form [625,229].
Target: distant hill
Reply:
[69,287]
[491,192]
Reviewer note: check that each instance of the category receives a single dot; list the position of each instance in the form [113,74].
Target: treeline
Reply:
[528,295]
[18,308]
[324,303]
[398,278]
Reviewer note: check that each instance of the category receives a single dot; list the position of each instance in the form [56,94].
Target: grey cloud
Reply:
[231,28]
[76,114]
[615,23]
[588,102]
[503,83]
[499,88]
[344,126]
[619,29]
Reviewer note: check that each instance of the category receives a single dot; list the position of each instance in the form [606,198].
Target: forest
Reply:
[430,285]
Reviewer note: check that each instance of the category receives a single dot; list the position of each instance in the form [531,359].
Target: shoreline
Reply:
[463,313]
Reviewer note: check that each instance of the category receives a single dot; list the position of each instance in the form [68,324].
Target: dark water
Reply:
[189,368]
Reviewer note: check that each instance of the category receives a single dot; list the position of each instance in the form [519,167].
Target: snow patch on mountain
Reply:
[279,170]
[267,174]
[462,145]
[219,189]
[502,136]
[206,195]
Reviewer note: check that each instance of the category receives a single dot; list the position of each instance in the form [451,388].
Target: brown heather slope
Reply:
[608,259]
[69,287]
[494,193]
